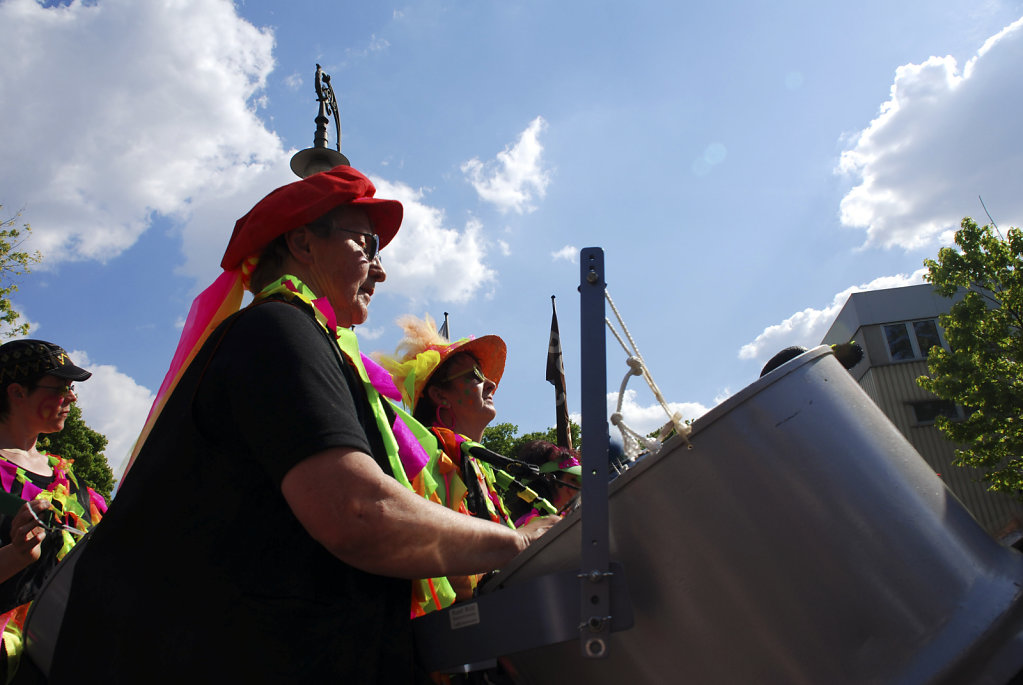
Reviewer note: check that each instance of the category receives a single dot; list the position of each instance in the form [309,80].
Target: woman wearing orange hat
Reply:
[449,387]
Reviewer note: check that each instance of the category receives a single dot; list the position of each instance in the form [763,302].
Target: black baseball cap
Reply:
[24,359]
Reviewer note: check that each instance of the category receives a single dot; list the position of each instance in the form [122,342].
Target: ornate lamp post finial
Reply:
[319,157]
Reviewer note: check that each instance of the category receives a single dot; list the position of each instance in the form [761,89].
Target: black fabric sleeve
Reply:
[276,391]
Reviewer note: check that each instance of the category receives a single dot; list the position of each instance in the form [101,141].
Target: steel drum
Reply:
[801,539]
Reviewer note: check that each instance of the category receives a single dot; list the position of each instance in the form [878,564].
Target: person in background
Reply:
[558,483]
[289,531]
[45,509]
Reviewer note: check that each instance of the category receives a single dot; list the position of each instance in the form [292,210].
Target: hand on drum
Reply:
[537,527]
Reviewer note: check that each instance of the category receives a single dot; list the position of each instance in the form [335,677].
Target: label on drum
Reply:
[463,616]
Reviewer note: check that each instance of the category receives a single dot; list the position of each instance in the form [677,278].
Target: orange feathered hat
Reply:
[423,350]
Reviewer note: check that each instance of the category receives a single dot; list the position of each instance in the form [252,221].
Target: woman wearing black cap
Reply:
[43,510]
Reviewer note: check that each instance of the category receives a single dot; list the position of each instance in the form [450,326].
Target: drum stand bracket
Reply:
[586,604]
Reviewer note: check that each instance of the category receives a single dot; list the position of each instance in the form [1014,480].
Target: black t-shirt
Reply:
[199,570]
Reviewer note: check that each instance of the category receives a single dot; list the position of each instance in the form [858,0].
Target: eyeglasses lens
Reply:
[65,391]
[370,242]
[474,370]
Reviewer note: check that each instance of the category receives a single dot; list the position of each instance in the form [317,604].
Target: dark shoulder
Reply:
[276,314]
[273,328]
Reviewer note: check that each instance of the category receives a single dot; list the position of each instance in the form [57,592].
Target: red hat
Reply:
[298,203]
[286,208]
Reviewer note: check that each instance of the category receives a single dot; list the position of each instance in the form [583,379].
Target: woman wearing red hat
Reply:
[43,509]
[267,531]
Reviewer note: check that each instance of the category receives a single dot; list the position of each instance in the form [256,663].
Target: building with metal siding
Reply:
[896,327]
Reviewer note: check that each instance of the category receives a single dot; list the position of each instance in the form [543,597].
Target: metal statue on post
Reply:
[319,157]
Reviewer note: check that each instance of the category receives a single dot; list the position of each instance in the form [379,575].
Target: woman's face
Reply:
[468,395]
[47,403]
[340,270]
[565,493]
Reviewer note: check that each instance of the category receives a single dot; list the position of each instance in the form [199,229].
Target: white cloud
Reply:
[368,333]
[160,112]
[511,181]
[6,331]
[358,53]
[115,405]
[428,260]
[162,119]
[807,328]
[722,395]
[943,138]
[215,208]
[569,253]
[645,419]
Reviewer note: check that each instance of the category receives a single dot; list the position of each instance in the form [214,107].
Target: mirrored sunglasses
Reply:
[474,370]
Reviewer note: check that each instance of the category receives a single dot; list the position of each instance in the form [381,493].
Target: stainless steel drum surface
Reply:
[800,540]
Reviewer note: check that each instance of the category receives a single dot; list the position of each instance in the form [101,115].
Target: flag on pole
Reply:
[443,330]
[556,377]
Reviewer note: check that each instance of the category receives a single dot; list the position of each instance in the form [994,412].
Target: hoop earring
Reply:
[440,421]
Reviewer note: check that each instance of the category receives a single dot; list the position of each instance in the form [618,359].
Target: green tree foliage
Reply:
[502,438]
[984,371]
[79,442]
[13,263]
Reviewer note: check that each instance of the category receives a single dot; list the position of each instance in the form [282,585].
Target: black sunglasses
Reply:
[370,243]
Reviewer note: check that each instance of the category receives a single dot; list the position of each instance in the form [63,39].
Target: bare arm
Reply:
[370,521]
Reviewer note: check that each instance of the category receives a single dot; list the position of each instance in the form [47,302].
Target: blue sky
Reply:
[744,165]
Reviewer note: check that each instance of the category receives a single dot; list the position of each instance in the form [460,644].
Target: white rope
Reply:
[635,443]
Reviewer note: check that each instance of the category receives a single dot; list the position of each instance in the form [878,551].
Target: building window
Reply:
[911,339]
[926,335]
[898,341]
[926,412]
